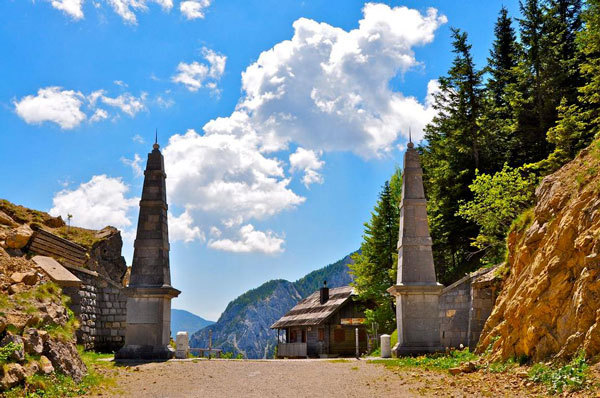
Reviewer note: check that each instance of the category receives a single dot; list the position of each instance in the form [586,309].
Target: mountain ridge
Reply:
[244,326]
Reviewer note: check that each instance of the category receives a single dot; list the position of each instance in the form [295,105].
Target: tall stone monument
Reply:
[150,292]
[417,290]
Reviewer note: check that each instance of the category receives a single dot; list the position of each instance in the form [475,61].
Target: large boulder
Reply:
[5,219]
[105,254]
[18,238]
[65,358]
[33,341]
[12,375]
[54,222]
[29,278]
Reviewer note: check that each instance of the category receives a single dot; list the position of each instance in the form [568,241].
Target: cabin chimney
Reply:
[324,293]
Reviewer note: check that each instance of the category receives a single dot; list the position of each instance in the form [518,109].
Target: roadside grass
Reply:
[59,385]
[570,377]
[440,361]
[338,360]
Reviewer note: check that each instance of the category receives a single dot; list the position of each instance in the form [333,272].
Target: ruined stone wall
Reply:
[465,307]
[454,307]
[483,296]
[101,308]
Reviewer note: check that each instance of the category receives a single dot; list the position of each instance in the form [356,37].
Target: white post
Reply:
[356,337]
[182,345]
[386,350]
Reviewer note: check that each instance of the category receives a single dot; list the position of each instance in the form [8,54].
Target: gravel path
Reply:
[272,378]
[308,378]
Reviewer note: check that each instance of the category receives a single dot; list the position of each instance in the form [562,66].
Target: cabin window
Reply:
[321,334]
[338,335]
[304,336]
[293,336]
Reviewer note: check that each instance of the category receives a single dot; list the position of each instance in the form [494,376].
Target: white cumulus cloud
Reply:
[193,9]
[73,8]
[223,181]
[250,240]
[69,108]
[127,9]
[328,89]
[95,204]
[307,161]
[135,164]
[181,228]
[127,103]
[196,75]
[52,104]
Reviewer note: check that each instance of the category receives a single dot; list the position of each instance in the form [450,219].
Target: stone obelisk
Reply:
[417,290]
[150,292]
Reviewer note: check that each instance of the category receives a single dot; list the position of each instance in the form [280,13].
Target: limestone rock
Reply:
[31,368]
[34,344]
[549,305]
[29,278]
[17,288]
[45,365]
[65,358]
[54,222]
[105,254]
[18,355]
[5,219]
[12,375]
[18,237]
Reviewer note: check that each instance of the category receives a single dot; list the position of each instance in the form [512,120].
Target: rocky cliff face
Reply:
[549,305]
[244,326]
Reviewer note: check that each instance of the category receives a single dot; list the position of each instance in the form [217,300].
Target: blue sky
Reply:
[283,164]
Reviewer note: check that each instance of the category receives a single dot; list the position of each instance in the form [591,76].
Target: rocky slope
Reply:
[37,329]
[549,306]
[244,326]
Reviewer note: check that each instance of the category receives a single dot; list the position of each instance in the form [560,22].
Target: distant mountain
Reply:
[185,321]
[244,325]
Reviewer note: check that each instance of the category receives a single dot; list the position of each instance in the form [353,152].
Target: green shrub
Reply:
[7,351]
[570,377]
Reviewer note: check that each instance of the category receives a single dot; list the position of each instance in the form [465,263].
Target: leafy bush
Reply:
[570,377]
[7,350]
[497,200]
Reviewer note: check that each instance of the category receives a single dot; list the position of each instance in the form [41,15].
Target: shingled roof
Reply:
[310,311]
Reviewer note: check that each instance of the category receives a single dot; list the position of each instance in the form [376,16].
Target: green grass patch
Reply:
[573,376]
[338,361]
[81,236]
[430,362]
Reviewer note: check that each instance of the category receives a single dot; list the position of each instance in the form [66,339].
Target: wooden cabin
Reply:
[323,325]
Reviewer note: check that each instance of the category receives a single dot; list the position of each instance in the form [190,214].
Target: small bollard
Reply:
[182,345]
[386,350]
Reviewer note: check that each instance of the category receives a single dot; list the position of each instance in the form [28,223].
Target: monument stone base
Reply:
[418,318]
[148,323]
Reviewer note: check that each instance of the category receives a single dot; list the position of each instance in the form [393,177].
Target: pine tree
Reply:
[450,158]
[374,267]
[579,118]
[496,119]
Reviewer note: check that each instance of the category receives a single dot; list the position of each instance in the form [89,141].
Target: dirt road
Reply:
[300,378]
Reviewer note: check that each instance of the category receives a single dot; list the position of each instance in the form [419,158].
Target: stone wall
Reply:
[99,303]
[465,306]
[454,306]
[101,308]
